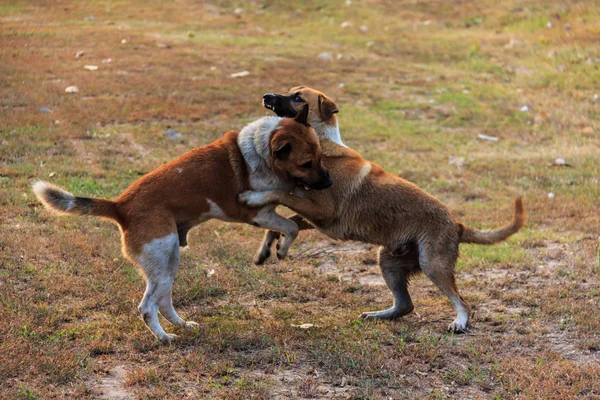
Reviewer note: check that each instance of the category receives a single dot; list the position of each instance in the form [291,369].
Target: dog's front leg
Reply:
[320,213]
[267,218]
[264,251]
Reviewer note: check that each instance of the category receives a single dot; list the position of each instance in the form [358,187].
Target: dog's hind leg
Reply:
[264,251]
[165,303]
[159,260]
[396,270]
[439,267]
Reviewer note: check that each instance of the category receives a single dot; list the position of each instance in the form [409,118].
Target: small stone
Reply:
[213,68]
[341,84]
[79,54]
[346,24]
[303,326]
[90,67]
[559,161]
[72,89]
[325,56]
[123,41]
[363,28]
[51,174]
[240,74]
[524,108]
[549,24]
[486,137]
[465,91]
[550,195]
[89,18]
[173,134]
[210,273]
[595,97]
[107,60]
[431,101]
[45,110]
[238,11]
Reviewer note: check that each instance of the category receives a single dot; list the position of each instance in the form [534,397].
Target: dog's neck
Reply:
[254,143]
[329,130]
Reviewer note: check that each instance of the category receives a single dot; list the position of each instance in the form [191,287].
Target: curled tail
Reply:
[59,200]
[470,235]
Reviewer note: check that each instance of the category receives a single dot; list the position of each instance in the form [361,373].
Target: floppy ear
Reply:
[327,108]
[302,116]
[283,151]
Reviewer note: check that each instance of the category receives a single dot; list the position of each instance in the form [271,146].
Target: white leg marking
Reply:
[160,261]
[267,218]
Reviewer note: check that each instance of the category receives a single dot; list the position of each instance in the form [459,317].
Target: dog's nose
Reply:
[268,96]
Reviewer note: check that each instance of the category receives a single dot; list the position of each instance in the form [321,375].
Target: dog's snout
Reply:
[268,96]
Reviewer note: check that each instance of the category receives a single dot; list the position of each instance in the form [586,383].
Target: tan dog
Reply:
[416,231]
[156,212]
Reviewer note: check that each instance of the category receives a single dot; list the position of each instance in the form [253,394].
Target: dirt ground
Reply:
[474,101]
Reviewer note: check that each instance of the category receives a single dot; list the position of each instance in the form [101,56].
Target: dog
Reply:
[156,212]
[416,231]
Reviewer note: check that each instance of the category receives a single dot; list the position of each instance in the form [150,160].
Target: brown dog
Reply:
[155,213]
[366,204]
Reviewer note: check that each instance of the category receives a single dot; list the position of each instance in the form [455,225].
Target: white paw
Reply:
[191,325]
[252,199]
[168,338]
[458,326]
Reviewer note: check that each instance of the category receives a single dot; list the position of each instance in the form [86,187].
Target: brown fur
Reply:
[155,213]
[416,231]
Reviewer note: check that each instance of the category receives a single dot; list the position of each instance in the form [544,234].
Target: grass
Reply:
[415,86]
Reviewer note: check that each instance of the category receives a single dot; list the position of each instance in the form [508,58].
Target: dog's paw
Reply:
[262,256]
[458,326]
[191,325]
[168,338]
[251,198]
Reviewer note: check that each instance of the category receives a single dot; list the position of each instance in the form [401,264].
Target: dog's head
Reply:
[321,108]
[297,153]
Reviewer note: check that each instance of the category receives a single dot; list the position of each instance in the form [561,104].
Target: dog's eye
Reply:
[307,165]
[298,99]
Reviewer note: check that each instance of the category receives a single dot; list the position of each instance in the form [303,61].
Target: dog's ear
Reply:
[302,116]
[327,108]
[282,152]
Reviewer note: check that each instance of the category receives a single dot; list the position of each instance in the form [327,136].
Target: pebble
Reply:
[486,137]
[524,108]
[79,54]
[363,28]
[90,67]
[45,110]
[325,56]
[90,18]
[72,89]
[240,74]
[173,134]
[238,11]
[346,24]
[550,195]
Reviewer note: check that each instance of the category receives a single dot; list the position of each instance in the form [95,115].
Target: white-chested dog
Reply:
[156,212]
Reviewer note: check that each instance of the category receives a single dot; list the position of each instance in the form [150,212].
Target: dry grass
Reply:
[415,89]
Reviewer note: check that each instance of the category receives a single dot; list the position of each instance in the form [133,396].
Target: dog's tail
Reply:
[62,202]
[470,235]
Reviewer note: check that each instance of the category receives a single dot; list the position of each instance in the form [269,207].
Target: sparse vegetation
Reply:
[416,83]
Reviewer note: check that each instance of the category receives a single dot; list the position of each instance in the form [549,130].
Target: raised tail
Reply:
[470,235]
[60,201]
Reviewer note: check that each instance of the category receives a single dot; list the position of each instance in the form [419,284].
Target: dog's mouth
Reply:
[268,105]
[280,105]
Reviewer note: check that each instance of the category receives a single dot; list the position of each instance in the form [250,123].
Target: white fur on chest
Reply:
[254,143]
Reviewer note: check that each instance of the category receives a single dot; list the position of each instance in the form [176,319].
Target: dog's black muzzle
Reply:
[280,105]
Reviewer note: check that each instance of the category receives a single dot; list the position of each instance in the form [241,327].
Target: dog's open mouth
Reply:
[269,106]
